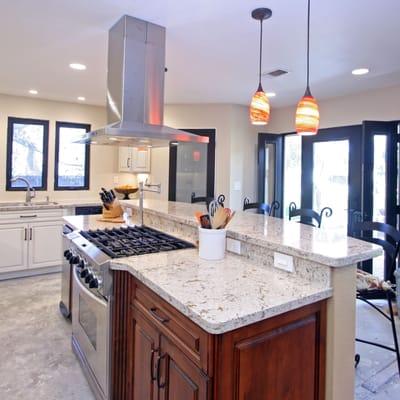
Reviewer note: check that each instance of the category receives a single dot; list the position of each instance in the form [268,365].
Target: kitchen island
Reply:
[237,328]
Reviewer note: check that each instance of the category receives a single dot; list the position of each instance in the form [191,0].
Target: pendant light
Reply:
[307,113]
[259,107]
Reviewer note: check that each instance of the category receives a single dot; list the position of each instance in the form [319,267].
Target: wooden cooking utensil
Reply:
[219,218]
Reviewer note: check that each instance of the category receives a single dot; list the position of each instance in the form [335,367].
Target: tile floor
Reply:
[36,361]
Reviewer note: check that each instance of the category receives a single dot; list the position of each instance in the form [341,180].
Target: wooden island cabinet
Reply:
[160,354]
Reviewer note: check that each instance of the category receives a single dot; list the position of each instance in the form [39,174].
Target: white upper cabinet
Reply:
[133,159]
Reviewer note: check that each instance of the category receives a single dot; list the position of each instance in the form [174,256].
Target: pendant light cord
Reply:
[259,69]
[308,47]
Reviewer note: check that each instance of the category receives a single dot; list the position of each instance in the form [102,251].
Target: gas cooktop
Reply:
[132,241]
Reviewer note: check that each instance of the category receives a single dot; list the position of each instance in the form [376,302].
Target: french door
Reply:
[192,168]
[270,169]
[331,174]
[381,179]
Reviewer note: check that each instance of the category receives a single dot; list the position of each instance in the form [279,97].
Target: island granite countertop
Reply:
[326,246]
[219,296]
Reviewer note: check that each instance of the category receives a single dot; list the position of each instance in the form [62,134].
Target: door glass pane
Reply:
[27,154]
[71,157]
[191,171]
[269,173]
[379,194]
[292,172]
[331,181]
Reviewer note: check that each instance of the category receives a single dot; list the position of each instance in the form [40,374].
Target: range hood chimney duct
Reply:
[135,88]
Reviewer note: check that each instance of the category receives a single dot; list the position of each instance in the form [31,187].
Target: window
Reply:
[292,172]
[72,159]
[27,146]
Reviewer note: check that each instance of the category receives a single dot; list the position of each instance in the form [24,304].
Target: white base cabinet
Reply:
[30,240]
[14,247]
[45,244]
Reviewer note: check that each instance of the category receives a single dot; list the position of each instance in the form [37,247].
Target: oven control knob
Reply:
[67,254]
[94,283]
[81,264]
[74,260]
[89,277]
[84,273]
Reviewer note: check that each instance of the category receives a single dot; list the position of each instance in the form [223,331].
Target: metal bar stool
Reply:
[262,208]
[370,287]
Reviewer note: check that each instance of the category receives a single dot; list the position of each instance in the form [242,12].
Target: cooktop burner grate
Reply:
[133,240]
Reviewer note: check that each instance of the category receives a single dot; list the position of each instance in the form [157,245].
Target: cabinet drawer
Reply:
[190,338]
[29,215]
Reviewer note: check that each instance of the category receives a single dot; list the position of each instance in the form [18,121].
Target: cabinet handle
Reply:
[128,162]
[153,312]
[159,384]
[153,351]
[30,233]
[26,234]
[28,216]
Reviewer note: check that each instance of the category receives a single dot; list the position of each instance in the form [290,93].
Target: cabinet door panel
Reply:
[146,346]
[45,244]
[286,360]
[181,379]
[14,247]
[141,159]
[125,159]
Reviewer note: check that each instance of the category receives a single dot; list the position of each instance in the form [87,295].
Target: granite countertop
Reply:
[220,296]
[56,204]
[325,246]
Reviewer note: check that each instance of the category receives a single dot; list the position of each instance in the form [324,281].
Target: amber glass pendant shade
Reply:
[259,108]
[307,115]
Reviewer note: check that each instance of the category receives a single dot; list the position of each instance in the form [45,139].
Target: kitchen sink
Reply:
[23,204]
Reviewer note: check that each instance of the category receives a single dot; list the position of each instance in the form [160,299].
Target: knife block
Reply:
[115,210]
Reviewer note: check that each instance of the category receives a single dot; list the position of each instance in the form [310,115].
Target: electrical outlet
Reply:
[233,245]
[116,179]
[283,261]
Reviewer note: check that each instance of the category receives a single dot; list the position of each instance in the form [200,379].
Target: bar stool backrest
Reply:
[309,216]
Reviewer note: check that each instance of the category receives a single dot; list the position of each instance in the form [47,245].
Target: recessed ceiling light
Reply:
[81,98]
[77,66]
[360,71]
[33,91]
[271,94]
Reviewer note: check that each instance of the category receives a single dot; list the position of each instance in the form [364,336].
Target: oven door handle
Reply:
[87,291]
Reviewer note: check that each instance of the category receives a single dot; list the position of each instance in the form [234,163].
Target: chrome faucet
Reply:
[146,187]
[30,191]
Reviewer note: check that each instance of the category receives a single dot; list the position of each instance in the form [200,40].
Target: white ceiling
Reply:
[212,47]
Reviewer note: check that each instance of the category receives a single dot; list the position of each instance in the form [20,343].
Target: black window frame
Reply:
[10,135]
[86,185]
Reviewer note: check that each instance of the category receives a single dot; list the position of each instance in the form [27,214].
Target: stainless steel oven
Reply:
[91,314]
[90,334]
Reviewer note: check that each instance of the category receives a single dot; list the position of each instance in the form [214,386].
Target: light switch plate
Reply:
[283,261]
[237,185]
[233,246]
[116,179]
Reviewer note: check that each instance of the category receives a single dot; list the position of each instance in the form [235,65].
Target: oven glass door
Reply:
[90,329]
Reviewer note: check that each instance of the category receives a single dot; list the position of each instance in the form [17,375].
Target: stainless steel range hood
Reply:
[135,88]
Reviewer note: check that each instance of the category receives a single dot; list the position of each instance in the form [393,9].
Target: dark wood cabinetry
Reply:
[168,357]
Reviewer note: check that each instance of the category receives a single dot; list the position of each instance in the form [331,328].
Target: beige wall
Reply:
[235,169]
[103,158]
[235,147]
[380,105]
